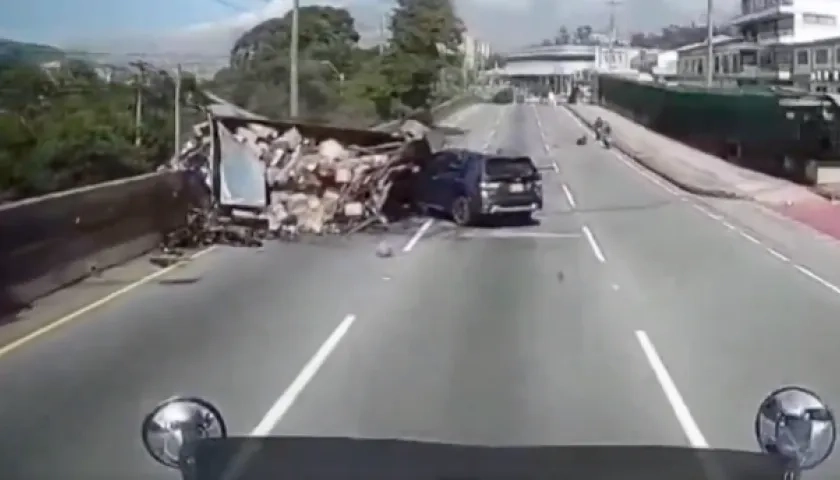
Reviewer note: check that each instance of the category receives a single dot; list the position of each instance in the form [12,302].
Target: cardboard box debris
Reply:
[296,179]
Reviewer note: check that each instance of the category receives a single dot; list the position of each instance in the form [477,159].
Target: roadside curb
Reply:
[669,177]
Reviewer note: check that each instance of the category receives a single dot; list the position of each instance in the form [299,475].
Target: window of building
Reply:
[726,59]
[700,67]
[765,59]
[821,56]
[736,63]
[819,19]
[784,58]
[785,23]
[717,63]
[802,57]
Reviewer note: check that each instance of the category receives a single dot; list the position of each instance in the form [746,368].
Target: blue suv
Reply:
[471,186]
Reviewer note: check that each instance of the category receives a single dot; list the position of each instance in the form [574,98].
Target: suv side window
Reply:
[455,163]
[438,163]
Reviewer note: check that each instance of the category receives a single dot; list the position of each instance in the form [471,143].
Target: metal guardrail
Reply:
[50,242]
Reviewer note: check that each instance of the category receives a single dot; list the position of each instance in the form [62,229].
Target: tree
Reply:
[583,35]
[671,37]
[563,37]
[66,125]
[258,76]
[69,123]
[425,39]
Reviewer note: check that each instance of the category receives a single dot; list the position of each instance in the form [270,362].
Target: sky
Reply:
[209,27]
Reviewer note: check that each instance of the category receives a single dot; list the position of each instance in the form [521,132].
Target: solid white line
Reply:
[418,235]
[689,426]
[553,162]
[592,243]
[568,194]
[282,405]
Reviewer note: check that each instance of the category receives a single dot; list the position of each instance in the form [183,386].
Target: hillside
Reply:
[14,52]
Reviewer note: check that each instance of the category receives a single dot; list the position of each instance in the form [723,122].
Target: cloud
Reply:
[505,24]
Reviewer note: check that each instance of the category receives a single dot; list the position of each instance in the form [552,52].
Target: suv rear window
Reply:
[500,168]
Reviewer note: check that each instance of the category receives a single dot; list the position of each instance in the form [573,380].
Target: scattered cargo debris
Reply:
[256,179]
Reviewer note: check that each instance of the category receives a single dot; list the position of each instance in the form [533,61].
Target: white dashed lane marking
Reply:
[631,164]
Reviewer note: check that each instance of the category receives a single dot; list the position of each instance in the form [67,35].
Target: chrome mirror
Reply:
[795,425]
[176,422]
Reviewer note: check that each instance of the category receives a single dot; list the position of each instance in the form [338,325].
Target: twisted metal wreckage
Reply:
[253,179]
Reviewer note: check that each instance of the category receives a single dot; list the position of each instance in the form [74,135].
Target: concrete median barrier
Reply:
[53,241]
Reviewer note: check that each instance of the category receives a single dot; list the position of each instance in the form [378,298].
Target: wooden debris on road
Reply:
[320,180]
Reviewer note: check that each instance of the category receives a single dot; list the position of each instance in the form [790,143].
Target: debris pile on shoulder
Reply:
[257,179]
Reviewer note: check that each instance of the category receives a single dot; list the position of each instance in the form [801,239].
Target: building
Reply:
[787,22]
[666,64]
[771,34]
[558,67]
[476,53]
[816,65]
[735,62]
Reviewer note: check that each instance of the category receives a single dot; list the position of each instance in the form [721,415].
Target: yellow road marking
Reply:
[75,315]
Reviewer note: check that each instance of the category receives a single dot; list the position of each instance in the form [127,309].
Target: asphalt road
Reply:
[627,316]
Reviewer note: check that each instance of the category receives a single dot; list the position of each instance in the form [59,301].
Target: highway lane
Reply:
[234,326]
[493,337]
[730,320]
[511,336]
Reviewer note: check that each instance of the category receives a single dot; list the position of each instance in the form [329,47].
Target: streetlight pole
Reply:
[710,48]
[337,72]
[293,60]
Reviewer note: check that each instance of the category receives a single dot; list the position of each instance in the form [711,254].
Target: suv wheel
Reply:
[461,211]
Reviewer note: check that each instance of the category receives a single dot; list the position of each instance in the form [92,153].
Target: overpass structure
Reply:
[561,65]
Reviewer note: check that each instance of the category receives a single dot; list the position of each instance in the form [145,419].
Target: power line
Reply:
[231,5]
[209,56]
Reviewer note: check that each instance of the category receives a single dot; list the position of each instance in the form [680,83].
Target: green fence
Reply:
[745,125]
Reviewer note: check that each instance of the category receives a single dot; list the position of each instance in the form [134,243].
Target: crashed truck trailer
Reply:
[257,178]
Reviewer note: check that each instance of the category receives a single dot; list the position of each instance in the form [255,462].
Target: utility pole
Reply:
[140,80]
[293,60]
[382,36]
[710,52]
[178,75]
[613,4]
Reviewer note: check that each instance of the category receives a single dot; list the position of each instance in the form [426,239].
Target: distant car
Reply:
[471,186]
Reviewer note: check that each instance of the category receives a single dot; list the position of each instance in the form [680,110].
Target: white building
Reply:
[666,63]
[816,65]
[787,22]
[769,31]
[735,61]
[476,53]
